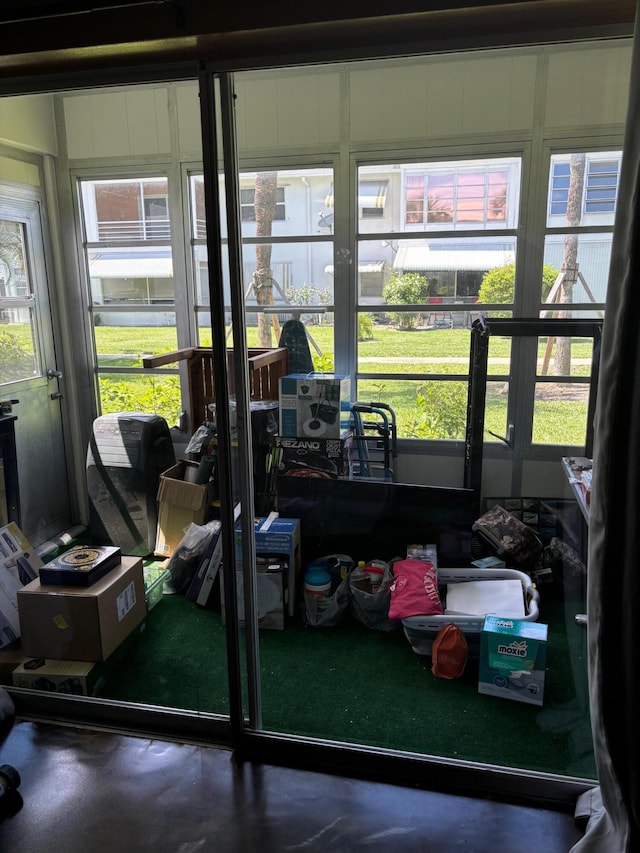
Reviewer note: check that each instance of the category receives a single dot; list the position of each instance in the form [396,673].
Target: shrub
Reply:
[154,396]
[365,327]
[440,411]
[410,288]
[16,362]
[498,285]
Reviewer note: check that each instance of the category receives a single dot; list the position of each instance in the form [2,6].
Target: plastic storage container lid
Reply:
[317,577]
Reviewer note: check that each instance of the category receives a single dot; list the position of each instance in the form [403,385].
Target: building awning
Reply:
[371,266]
[370,194]
[131,268]
[422,258]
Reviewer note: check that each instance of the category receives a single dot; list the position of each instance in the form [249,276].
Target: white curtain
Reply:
[613,590]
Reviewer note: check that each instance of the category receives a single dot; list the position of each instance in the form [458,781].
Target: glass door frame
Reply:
[249,740]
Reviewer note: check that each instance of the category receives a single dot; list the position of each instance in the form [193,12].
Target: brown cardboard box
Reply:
[82,623]
[179,504]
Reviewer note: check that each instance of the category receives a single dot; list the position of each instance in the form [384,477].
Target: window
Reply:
[287,269]
[461,197]
[247,204]
[582,195]
[598,183]
[601,186]
[128,210]
[372,196]
[18,354]
[129,265]
[419,274]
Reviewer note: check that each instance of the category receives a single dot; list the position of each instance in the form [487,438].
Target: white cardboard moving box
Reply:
[82,623]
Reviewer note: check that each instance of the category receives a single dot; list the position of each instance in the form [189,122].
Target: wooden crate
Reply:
[266,366]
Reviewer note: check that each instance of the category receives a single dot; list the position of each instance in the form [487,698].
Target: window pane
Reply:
[18,351]
[153,394]
[560,413]
[495,411]
[424,409]
[581,262]
[18,358]
[124,339]
[131,276]
[318,328]
[437,272]
[583,188]
[565,356]
[285,202]
[122,210]
[382,348]
[198,219]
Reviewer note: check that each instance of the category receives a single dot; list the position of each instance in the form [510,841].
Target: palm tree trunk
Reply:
[262,281]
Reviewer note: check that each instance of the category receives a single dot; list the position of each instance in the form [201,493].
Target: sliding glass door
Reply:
[323,670]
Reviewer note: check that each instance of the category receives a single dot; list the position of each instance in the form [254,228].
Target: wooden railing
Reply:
[266,366]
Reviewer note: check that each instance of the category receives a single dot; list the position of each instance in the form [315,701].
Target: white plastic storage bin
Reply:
[421,631]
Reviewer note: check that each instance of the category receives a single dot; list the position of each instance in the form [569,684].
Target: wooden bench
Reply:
[266,366]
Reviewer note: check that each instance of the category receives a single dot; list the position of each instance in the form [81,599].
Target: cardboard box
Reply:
[180,503]
[325,457]
[271,593]
[280,537]
[512,659]
[317,405]
[19,564]
[59,676]
[82,623]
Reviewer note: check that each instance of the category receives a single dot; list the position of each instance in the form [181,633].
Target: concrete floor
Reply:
[92,792]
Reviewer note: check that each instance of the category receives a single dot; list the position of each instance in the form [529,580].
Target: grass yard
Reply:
[425,408]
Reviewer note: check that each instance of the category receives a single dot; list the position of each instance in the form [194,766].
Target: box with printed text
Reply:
[280,536]
[513,656]
[317,405]
[74,677]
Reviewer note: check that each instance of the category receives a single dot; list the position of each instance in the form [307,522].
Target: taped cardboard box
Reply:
[59,676]
[19,564]
[82,623]
[180,502]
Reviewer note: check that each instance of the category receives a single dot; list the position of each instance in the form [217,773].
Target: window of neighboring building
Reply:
[247,204]
[372,197]
[464,196]
[599,188]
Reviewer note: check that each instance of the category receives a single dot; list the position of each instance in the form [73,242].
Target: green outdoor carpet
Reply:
[353,684]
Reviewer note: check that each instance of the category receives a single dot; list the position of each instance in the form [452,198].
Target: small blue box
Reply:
[315,405]
[280,536]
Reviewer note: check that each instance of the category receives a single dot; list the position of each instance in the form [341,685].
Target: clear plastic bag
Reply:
[199,441]
[327,610]
[369,595]
[184,561]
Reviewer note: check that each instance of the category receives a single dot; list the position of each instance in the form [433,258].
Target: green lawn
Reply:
[423,408]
